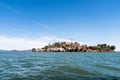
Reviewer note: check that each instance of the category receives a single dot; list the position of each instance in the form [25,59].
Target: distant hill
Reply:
[15,50]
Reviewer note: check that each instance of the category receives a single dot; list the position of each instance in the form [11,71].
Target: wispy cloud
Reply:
[9,8]
[43,26]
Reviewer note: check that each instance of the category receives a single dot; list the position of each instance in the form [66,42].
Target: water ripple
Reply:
[59,66]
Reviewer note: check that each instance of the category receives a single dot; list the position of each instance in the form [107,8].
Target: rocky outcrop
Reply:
[74,47]
[55,50]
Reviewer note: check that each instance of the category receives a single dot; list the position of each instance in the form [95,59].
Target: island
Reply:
[74,47]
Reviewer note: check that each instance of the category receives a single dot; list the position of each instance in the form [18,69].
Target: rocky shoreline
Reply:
[74,47]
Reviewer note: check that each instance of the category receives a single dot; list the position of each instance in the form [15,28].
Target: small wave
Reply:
[41,77]
[108,67]
[78,71]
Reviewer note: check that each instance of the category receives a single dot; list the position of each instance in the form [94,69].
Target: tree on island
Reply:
[112,47]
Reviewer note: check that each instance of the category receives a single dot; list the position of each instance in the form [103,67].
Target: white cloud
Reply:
[10,43]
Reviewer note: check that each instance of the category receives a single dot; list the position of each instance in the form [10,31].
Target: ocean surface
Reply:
[59,66]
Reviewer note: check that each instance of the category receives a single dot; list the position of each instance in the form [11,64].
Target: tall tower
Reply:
[71,40]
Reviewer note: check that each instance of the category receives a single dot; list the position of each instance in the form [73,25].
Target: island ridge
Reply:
[74,47]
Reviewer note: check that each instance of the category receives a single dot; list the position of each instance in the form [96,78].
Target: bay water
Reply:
[59,66]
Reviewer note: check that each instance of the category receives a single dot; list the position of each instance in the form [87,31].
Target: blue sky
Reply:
[34,23]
